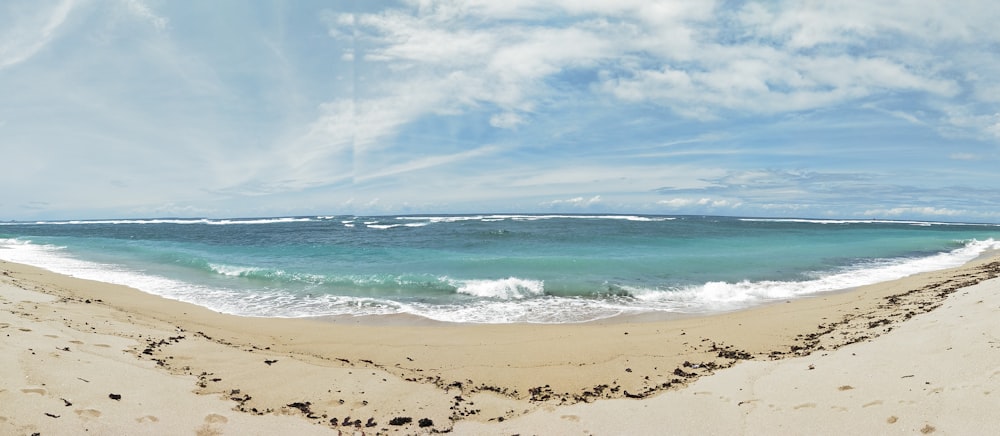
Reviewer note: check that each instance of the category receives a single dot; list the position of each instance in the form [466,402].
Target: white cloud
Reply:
[786,207]
[677,202]
[963,156]
[425,163]
[143,11]
[580,97]
[444,60]
[170,210]
[506,120]
[926,211]
[988,125]
[803,25]
[681,203]
[768,58]
[760,79]
[575,202]
[30,31]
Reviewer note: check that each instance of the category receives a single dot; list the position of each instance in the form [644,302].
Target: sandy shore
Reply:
[88,357]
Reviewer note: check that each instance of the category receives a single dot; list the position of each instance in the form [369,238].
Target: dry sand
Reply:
[938,373]
[88,357]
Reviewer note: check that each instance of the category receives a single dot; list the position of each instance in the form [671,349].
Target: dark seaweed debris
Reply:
[400,420]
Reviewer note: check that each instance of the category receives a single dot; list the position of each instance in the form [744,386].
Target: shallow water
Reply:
[491,268]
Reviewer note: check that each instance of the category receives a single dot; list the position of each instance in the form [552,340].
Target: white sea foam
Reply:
[443,219]
[55,259]
[205,221]
[392,226]
[371,222]
[273,303]
[494,218]
[860,221]
[511,288]
[501,301]
[545,310]
[713,296]
[233,271]
[259,221]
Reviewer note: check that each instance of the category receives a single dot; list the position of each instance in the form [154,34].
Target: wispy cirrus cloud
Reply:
[30,30]
[836,194]
[663,106]
[772,58]
[143,11]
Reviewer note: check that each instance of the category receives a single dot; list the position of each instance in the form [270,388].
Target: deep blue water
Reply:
[490,268]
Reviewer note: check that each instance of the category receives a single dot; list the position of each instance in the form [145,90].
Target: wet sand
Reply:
[83,356]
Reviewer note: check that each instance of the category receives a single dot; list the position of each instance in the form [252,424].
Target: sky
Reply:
[849,109]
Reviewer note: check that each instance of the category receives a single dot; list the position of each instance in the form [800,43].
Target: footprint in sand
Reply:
[892,419]
[24,330]
[102,345]
[805,406]
[76,342]
[39,391]
[88,413]
[147,418]
[573,418]
[207,429]
[873,403]
[213,418]
[51,336]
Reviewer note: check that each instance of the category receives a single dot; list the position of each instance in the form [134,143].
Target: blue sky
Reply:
[846,109]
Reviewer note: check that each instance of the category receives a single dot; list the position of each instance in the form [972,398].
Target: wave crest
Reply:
[511,288]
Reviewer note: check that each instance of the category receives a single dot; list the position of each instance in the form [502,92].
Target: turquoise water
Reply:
[490,268]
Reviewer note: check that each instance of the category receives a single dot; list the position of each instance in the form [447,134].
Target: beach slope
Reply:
[917,354]
[938,373]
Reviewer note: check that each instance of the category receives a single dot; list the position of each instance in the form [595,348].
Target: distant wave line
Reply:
[862,221]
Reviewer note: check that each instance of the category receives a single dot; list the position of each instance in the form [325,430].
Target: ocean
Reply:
[491,268]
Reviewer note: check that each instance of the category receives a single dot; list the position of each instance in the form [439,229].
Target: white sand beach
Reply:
[917,355]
